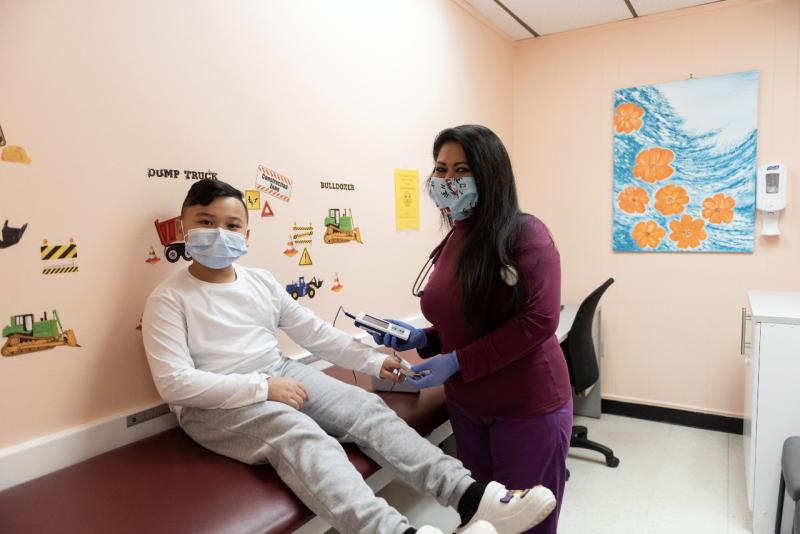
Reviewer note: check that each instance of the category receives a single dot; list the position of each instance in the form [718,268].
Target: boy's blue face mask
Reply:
[215,248]
[455,196]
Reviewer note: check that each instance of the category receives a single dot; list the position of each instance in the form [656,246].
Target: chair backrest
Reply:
[579,347]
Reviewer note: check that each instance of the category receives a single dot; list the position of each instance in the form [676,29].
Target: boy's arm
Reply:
[173,370]
[325,341]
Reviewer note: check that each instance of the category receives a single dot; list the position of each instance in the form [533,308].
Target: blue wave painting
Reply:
[685,165]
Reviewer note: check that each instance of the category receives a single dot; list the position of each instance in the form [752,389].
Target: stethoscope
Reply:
[508,274]
[416,289]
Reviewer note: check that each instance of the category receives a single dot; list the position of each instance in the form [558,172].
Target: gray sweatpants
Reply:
[302,446]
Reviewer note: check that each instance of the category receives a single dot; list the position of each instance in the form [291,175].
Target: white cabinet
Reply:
[771,350]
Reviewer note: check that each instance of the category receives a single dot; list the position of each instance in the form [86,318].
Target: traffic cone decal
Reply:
[290,250]
[151,256]
[337,286]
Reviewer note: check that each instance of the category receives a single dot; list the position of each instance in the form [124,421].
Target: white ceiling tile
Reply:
[552,16]
[649,7]
[504,22]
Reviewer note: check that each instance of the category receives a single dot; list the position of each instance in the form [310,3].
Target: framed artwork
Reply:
[685,165]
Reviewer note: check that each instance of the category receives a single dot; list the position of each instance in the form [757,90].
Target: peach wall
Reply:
[98,92]
[671,321]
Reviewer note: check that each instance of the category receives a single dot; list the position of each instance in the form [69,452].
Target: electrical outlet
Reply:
[146,415]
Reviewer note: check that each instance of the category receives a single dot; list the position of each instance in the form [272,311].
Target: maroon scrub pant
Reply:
[518,453]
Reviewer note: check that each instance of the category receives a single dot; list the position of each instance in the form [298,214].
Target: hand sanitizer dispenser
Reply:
[771,195]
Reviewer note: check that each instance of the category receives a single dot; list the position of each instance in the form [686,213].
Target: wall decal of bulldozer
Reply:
[26,335]
[339,228]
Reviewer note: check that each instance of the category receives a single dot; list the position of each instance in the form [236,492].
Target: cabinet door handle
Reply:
[745,318]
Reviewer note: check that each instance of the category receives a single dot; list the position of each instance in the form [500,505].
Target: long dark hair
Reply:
[493,229]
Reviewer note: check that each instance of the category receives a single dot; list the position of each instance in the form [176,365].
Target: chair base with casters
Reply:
[580,439]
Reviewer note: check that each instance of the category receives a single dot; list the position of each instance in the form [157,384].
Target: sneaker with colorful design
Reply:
[513,511]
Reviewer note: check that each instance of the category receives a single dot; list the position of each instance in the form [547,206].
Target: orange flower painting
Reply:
[718,209]
[671,199]
[628,117]
[633,199]
[687,232]
[653,164]
[648,234]
[685,169]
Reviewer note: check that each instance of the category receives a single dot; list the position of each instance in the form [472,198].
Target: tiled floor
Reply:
[671,479]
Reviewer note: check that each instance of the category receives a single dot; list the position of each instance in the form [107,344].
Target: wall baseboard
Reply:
[37,457]
[719,423]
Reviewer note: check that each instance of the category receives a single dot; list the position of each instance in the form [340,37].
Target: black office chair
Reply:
[583,368]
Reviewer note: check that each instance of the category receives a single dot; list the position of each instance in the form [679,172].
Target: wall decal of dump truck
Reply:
[303,289]
[339,227]
[27,335]
[171,236]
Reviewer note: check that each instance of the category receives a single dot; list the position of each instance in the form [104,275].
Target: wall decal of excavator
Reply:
[26,335]
[11,236]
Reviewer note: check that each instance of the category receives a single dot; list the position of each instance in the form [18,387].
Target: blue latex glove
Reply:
[417,339]
[439,368]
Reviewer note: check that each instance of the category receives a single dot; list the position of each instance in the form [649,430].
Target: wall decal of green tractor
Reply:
[339,228]
[26,335]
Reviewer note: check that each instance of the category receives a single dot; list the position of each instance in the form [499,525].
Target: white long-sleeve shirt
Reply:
[209,344]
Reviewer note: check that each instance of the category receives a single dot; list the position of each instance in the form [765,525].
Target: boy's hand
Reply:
[389,365]
[286,390]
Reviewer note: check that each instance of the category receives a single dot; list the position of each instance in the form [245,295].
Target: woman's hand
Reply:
[439,368]
[286,390]
[417,339]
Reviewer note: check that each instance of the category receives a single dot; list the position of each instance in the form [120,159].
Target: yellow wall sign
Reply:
[406,199]
[253,199]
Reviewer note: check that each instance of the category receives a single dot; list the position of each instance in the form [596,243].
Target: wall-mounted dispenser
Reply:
[771,195]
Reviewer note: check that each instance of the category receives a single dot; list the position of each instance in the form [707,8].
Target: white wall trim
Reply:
[37,457]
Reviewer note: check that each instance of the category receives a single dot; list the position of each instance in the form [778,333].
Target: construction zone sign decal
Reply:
[24,335]
[59,259]
[274,183]
[339,227]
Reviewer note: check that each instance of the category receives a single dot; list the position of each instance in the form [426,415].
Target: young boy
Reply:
[209,334]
